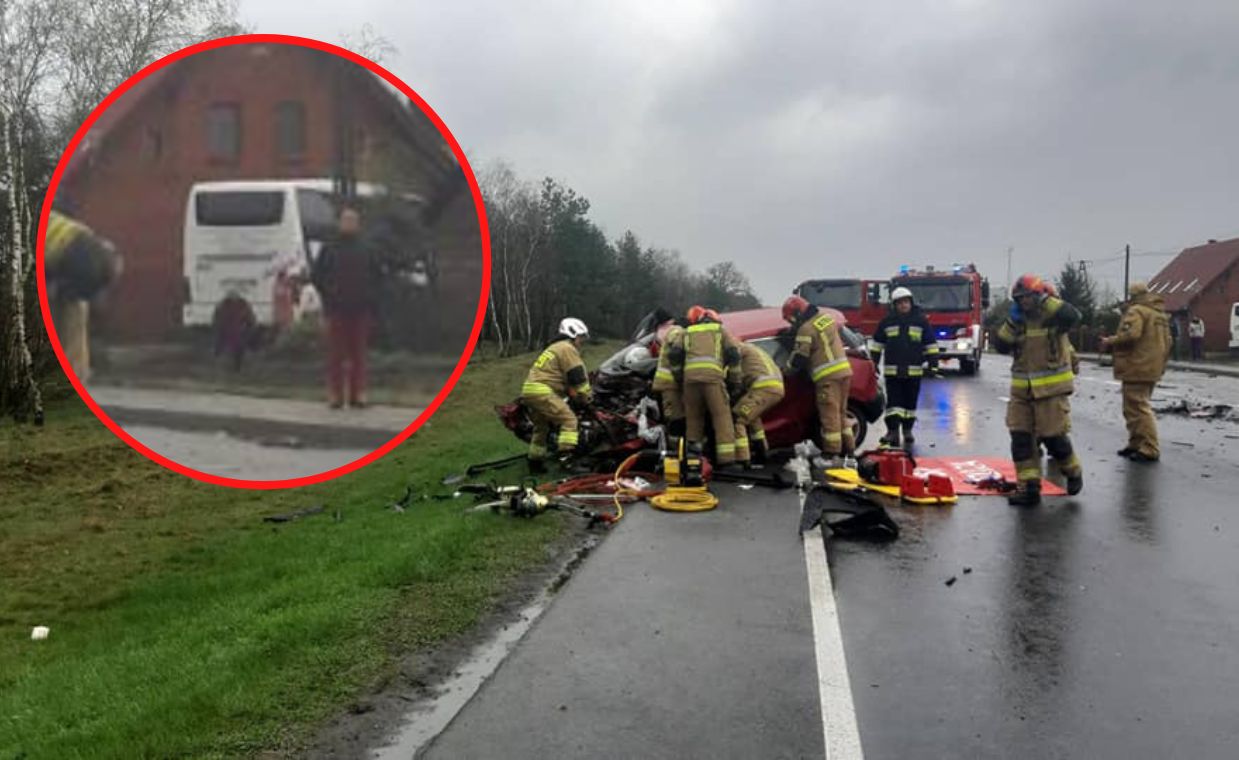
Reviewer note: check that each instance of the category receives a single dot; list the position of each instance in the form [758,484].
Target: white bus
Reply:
[240,235]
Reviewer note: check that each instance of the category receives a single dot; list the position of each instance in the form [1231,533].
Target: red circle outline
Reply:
[483,229]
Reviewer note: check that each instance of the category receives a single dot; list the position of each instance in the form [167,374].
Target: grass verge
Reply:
[182,625]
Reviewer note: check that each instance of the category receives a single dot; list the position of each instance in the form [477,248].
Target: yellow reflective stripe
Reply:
[60,231]
[1060,377]
[1007,332]
[774,382]
[1028,473]
[915,371]
[704,327]
[914,333]
[663,374]
[543,359]
[725,448]
[569,437]
[742,445]
[893,330]
[583,388]
[758,435]
[830,368]
[804,339]
[1036,332]
[931,349]
[536,389]
[833,437]
[823,322]
[714,365]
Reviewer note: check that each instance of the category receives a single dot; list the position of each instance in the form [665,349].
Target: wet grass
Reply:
[182,625]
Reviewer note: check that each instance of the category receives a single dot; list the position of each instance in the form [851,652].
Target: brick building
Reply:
[1202,281]
[258,111]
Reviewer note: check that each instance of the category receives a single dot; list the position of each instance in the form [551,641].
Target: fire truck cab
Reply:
[954,301]
[860,301]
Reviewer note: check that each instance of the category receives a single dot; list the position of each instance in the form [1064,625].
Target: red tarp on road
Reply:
[966,472]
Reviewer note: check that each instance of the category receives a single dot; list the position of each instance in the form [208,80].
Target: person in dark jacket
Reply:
[906,338]
[346,275]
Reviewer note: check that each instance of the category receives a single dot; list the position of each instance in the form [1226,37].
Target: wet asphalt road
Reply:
[1100,626]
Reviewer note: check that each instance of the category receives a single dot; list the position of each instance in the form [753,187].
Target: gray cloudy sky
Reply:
[811,138]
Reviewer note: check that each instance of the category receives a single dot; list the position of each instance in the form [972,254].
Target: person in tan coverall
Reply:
[819,351]
[1042,381]
[702,357]
[1141,348]
[558,371]
[760,386]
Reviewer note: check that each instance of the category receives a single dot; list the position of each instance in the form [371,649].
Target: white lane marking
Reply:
[839,728]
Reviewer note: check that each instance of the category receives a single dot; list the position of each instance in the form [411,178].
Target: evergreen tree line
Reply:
[549,260]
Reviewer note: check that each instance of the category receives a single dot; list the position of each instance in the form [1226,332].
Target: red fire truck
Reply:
[954,301]
[861,301]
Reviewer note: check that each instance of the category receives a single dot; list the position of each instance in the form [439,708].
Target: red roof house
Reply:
[1203,281]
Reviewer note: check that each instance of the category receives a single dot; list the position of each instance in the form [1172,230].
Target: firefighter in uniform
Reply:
[906,338]
[1141,348]
[760,386]
[703,358]
[819,351]
[557,372]
[78,265]
[1039,412]
[667,386]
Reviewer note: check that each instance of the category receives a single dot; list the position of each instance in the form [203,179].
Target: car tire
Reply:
[969,366]
[860,427]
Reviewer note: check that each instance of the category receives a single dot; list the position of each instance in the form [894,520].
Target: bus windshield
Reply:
[939,293]
[246,208]
[837,294]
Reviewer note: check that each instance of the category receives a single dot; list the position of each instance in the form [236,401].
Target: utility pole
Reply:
[1126,270]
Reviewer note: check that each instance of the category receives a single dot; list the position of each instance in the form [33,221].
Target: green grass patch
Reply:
[181,625]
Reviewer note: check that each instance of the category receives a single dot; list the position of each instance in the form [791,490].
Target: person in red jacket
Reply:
[347,278]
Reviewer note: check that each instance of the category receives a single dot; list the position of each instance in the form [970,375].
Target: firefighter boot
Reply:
[891,439]
[759,452]
[1075,483]
[1028,494]
[908,440]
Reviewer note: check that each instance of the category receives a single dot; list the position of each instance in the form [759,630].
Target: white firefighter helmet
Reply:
[901,292]
[573,327]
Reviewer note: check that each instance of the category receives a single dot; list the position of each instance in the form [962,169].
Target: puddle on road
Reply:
[430,716]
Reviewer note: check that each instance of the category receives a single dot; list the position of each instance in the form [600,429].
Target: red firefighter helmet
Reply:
[1029,285]
[793,307]
[695,313]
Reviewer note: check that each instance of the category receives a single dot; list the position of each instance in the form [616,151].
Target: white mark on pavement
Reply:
[839,728]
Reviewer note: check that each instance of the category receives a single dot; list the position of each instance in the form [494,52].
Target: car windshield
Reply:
[837,294]
[945,294]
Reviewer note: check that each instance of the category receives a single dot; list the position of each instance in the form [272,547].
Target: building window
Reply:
[290,129]
[152,145]
[223,134]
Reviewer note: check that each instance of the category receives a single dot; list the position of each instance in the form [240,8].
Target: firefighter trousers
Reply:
[902,394]
[1141,424]
[701,399]
[747,413]
[1036,422]
[547,412]
[832,413]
